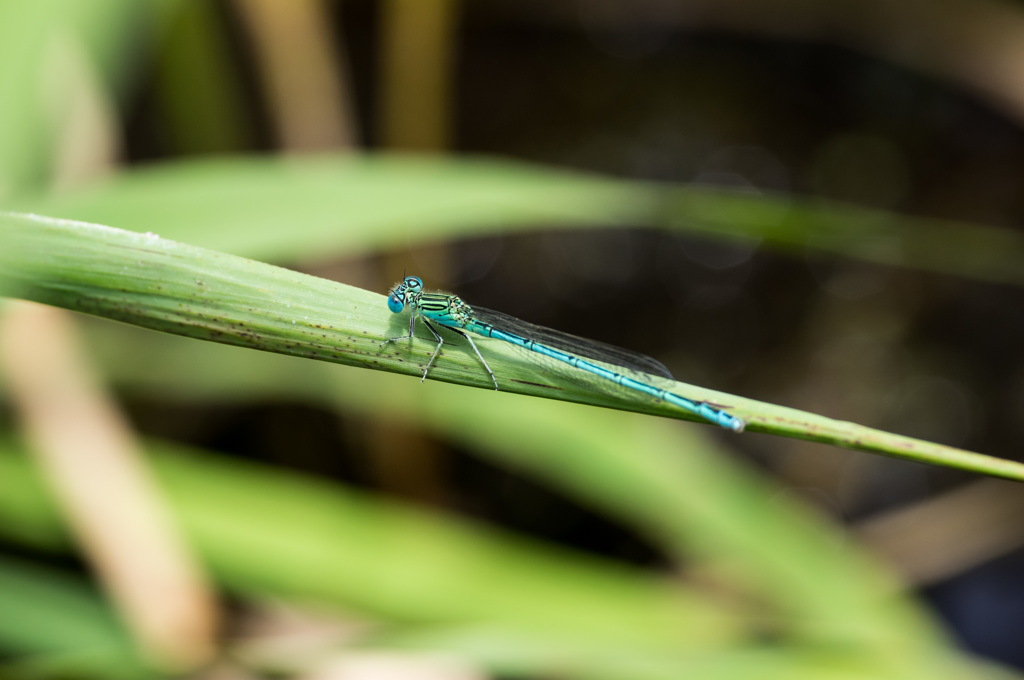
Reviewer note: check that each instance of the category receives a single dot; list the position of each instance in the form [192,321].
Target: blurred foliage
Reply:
[61,626]
[742,579]
[354,204]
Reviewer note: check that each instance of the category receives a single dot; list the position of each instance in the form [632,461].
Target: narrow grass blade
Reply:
[176,288]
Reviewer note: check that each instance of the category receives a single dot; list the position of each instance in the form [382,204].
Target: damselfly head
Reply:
[400,294]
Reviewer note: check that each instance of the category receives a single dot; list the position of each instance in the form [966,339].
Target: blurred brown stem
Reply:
[88,454]
[417,59]
[304,75]
[943,536]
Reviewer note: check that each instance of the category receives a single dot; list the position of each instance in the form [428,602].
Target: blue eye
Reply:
[395,303]
[414,283]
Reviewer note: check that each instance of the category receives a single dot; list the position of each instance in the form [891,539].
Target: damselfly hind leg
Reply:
[479,356]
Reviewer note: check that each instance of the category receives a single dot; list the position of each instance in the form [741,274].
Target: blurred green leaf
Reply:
[508,603]
[285,208]
[57,626]
[181,289]
[266,532]
[810,226]
[314,207]
[39,41]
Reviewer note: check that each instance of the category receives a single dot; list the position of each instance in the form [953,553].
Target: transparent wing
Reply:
[590,349]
